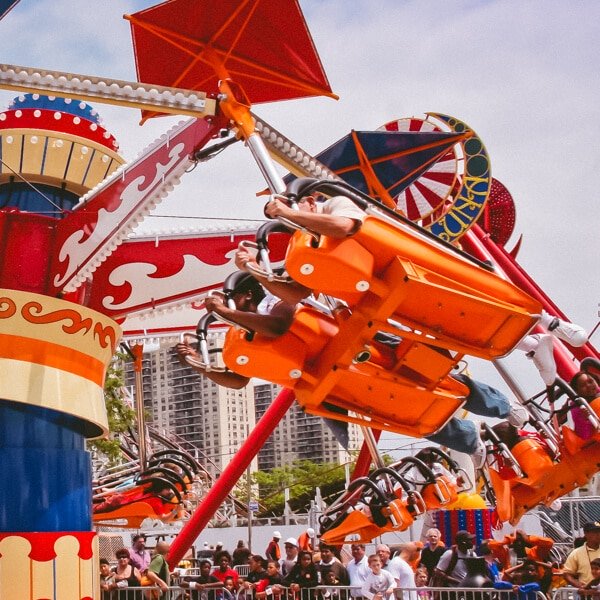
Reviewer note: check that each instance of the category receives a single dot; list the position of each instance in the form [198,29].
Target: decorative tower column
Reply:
[53,354]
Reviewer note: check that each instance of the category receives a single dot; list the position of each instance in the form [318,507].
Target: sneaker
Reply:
[543,359]
[518,416]
[479,455]
[568,332]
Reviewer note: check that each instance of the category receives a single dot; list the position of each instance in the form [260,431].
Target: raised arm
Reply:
[272,325]
[323,224]
[290,292]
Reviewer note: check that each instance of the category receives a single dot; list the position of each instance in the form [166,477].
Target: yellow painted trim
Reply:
[52,388]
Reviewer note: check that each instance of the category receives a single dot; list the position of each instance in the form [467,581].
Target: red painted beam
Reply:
[229,477]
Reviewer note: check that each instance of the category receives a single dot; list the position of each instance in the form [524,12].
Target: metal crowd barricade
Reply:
[327,592]
[242,570]
[571,593]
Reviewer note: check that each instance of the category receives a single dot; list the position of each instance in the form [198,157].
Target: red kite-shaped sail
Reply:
[263,46]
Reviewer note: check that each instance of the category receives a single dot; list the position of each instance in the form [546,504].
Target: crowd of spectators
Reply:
[519,563]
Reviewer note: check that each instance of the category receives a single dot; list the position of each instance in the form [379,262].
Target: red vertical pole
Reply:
[230,475]
[363,462]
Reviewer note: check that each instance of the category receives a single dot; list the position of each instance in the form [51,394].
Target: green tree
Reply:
[120,415]
[302,478]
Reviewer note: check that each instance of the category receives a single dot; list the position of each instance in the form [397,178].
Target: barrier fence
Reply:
[570,593]
[175,592]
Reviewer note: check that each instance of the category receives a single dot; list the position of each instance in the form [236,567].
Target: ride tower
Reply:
[53,351]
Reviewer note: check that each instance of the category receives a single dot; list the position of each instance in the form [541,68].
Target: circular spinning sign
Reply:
[450,196]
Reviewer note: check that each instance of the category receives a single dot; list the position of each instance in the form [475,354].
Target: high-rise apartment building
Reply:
[299,435]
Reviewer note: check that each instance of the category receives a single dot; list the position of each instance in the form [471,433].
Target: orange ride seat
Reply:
[316,357]
[434,290]
[133,514]
[545,480]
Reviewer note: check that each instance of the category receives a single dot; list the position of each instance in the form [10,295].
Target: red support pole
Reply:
[363,462]
[228,478]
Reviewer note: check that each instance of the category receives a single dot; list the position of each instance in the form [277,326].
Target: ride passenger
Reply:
[338,217]
[586,386]
[255,310]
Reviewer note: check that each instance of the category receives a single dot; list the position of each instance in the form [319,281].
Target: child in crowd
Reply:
[421,580]
[331,593]
[272,585]
[229,592]
[379,584]
[592,589]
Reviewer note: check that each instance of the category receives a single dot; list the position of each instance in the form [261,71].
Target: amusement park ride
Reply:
[427,265]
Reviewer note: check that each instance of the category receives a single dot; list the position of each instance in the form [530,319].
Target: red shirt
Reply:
[222,575]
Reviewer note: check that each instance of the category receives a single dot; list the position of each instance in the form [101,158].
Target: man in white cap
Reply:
[291,556]
[306,540]
[273,551]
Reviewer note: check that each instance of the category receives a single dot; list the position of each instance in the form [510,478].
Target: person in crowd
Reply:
[306,540]
[223,562]
[106,579]
[229,592]
[241,554]
[522,579]
[452,567]
[331,585]
[126,576]
[592,589]
[138,555]
[433,550]
[272,584]
[205,585]
[358,569]
[158,569]
[303,576]
[384,553]
[421,581]
[577,569]
[380,584]
[494,568]
[287,562]
[400,569]
[273,551]
[329,562]
[256,573]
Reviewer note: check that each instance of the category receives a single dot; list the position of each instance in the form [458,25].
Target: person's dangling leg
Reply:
[486,401]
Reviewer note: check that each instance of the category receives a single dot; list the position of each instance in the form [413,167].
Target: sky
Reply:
[522,74]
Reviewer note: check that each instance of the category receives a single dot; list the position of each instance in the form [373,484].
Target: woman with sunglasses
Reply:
[126,576]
